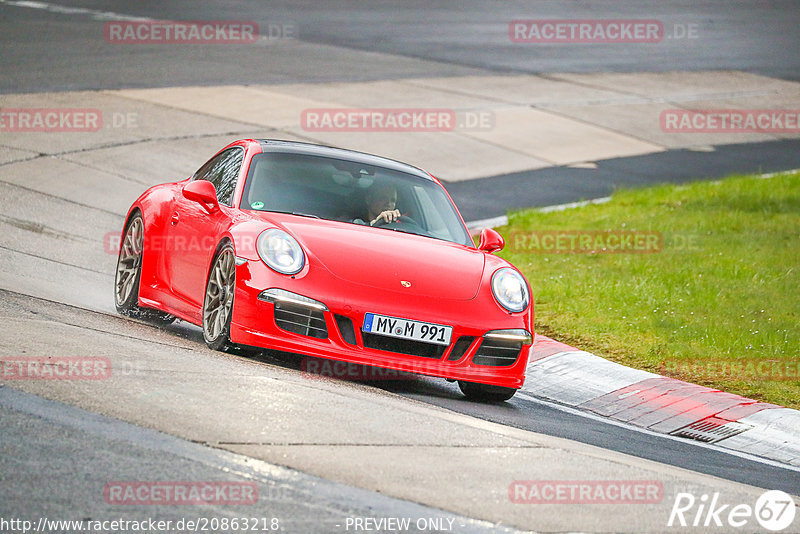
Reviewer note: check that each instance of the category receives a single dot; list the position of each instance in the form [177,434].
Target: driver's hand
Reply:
[388,216]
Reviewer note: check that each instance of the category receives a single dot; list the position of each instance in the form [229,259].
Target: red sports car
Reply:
[329,253]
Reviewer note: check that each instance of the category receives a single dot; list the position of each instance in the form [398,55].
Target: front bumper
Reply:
[333,330]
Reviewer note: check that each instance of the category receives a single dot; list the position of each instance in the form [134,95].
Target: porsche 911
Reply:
[329,253]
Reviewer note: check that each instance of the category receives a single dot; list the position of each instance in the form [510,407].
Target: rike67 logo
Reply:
[774,510]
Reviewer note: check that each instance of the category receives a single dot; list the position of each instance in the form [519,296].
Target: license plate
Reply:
[407,329]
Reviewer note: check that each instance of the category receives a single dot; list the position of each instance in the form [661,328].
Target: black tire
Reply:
[128,275]
[218,300]
[485,392]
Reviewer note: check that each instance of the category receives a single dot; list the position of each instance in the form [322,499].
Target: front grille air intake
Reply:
[501,348]
[460,347]
[497,352]
[297,313]
[301,320]
[346,329]
[403,346]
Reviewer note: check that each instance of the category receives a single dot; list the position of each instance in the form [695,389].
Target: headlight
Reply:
[280,251]
[510,289]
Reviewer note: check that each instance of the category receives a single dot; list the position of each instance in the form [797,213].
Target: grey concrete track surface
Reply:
[45,453]
[63,201]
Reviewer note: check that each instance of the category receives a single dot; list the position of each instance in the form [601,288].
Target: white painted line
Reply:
[502,220]
[570,205]
[93,13]
[773,174]
[620,424]
[493,222]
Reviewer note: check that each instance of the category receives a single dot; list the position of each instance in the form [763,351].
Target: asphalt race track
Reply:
[429,40]
[327,455]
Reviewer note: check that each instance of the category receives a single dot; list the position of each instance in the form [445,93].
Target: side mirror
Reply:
[202,191]
[491,241]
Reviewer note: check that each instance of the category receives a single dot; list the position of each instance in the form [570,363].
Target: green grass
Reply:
[718,305]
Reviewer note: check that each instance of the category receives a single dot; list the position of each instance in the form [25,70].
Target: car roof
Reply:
[297,147]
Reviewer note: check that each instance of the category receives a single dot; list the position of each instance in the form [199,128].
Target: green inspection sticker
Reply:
[257,205]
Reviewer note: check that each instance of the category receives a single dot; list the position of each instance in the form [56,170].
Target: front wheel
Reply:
[218,302]
[485,392]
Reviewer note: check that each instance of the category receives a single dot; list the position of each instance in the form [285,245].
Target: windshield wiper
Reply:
[298,213]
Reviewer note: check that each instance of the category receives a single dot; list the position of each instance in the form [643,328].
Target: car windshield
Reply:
[347,191]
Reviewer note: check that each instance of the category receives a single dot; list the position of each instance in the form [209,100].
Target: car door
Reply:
[194,229]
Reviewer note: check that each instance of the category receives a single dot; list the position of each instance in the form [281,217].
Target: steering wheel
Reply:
[403,219]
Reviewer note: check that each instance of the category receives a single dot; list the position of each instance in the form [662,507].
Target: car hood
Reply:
[381,258]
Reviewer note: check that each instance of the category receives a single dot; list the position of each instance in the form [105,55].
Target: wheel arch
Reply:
[224,240]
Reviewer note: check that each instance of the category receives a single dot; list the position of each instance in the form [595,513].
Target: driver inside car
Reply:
[380,200]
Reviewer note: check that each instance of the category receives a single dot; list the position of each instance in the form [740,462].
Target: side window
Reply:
[222,171]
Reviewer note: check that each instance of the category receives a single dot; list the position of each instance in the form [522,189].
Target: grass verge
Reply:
[700,282]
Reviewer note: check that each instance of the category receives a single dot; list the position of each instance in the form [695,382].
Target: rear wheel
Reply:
[129,273]
[218,302]
[485,392]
